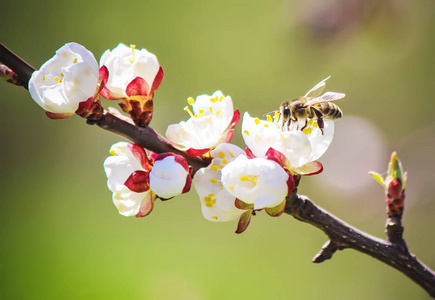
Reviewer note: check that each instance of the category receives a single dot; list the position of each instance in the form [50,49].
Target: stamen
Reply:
[43,78]
[244,178]
[257,121]
[269,118]
[254,179]
[214,168]
[221,166]
[211,109]
[189,112]
[214,217]
[214,99]
[231,154]
[213,180]
[231,187]
[222,155]
[57,79]
[132,50]
[225,161]
[315,125]
[246,132]
[201,111]
[190,100]
[218,111]
[221,98]
[61,74]
[75,60]
[113,152]
[307,130]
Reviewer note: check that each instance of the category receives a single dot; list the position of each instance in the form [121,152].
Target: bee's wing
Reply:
[326,97]
[317,89]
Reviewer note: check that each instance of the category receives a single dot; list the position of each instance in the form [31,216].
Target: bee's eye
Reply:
[286,112]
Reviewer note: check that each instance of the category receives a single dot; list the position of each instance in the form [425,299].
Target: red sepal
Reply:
[141,155]
[146,206]
[312,168]
[197,152]
[56,116]
[277,210]
[242,205]
[138,182]
[157,80]
[244,221]
[249,153]
[188,184]
[85,106]
[103,77]
[229,136]
[278,157]
[137,87]
[236,118]
[106,93]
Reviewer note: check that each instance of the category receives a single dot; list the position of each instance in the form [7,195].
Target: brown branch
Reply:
[17,64]
[341,236]
[393,252]
[145,137]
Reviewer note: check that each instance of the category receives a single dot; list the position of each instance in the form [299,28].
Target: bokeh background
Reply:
[62,238]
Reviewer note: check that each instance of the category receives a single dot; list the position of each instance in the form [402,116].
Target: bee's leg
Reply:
[305,125]
[319,117]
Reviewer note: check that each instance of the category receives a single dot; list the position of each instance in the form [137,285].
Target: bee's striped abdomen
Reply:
[329,110]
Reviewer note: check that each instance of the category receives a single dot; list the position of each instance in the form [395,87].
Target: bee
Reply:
[311,106]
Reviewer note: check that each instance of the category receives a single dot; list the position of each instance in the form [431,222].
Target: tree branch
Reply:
[393,252]
[341,236]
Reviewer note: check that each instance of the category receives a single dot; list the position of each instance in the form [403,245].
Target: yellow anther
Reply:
[221,98]
[218,111]
[113,152]
[57,79]
[231,187]
[257,121]
[214,217]
[225,161]
[213,180]
[75,60]
[222,155]
[221,166]
[201,111]
[214,168]
[246,132]
[190,100]
[315,125]
[214,99]
[307,130]
[269,118]
[43,78]
[189,111]
[61,74]
[254,179]
[132,50]
[266,125]
[211,109]
[310,122]
[244,178]
[231,154]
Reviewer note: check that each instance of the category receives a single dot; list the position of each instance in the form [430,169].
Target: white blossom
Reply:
[257,181]
[300,147]
[125,64]
[71,76]
[216,203]
[211,123]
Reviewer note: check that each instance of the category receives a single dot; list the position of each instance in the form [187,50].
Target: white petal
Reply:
[167,178]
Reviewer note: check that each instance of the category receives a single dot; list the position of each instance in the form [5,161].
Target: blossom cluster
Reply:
[235,184]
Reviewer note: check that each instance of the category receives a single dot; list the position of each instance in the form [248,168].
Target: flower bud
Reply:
[170,176]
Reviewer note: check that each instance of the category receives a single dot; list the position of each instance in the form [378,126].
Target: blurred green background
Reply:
[62,238]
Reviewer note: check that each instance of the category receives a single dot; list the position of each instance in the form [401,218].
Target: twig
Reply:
[341,236]
[393,252]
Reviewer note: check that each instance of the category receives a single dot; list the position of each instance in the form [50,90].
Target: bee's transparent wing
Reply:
[326,97]
[317,89]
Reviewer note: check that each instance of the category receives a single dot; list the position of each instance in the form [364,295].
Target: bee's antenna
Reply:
[271,112]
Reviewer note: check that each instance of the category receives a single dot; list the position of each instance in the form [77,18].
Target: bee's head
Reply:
[285,111]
